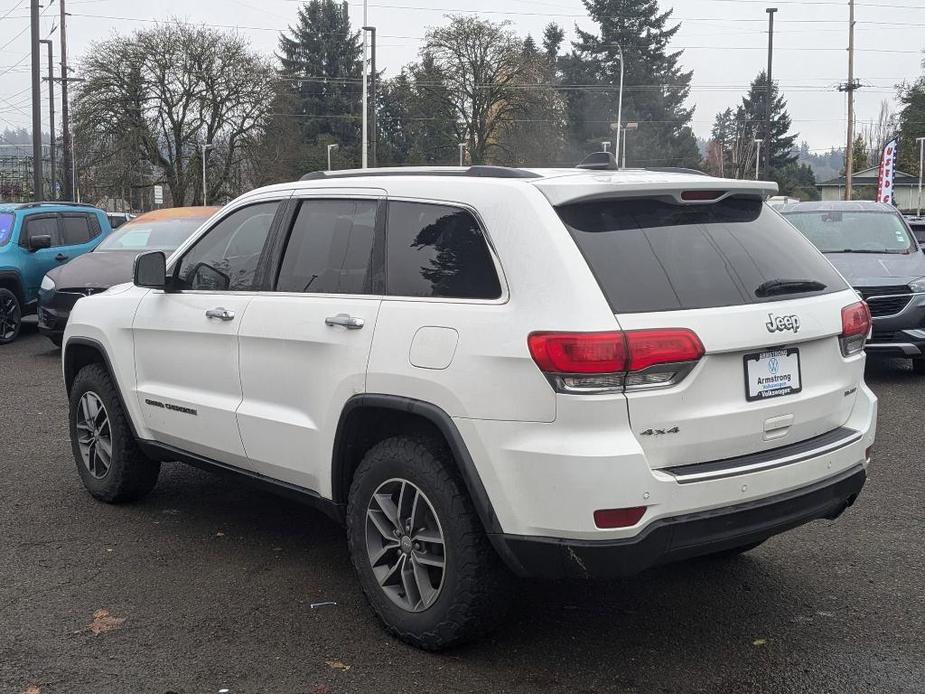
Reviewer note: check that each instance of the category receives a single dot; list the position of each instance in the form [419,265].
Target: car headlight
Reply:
[48,284]
[917,285]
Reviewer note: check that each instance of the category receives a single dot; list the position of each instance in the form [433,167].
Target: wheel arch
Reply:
[79,352]
[10,279]
[369,418]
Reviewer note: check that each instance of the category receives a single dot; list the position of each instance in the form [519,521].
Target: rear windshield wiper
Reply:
[775,287]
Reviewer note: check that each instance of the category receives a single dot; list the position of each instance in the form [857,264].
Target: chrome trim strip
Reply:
[682,478]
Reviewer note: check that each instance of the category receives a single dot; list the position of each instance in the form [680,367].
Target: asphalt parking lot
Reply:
[215,583]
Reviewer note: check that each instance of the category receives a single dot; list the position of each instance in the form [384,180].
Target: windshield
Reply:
[650,255]
[6,227]
[834,231]
[159,235]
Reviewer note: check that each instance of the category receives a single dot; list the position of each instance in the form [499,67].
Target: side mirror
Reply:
[151,270]
[206,277]
[38,242]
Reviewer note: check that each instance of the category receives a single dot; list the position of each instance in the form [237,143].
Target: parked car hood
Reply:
[97,270]
[878,269]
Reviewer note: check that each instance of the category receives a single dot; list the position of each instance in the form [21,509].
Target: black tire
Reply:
[918,367]
[130,475]
[10,316]
[474,594]
[734,552]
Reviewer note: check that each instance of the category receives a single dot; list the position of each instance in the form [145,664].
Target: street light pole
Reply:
[770,93]
[758,142]
[921,141]
[365,138]
[374,139]
[616,151]
[331,148]
[205,193]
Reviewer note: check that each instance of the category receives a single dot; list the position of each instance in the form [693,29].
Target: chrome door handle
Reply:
[220,313]
[346,321]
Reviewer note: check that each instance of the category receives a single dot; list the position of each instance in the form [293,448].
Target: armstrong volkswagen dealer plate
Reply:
[772,374]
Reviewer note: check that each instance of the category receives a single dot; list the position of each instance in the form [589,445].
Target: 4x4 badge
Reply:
[782,323]
[660,432]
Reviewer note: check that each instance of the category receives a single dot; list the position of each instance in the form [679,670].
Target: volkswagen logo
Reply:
[773,365]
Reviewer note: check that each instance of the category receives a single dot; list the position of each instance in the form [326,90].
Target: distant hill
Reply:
[825,165]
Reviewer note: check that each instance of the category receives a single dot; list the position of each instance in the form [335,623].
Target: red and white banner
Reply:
[887,173]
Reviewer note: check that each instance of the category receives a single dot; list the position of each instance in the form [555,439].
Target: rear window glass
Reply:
[438,251]
[6,227]
[650,255]
[836,231]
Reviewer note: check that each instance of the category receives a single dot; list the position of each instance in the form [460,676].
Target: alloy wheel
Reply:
[9,317]
[405,545]
[94,436]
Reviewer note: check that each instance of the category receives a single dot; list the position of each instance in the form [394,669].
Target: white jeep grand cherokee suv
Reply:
[487,371]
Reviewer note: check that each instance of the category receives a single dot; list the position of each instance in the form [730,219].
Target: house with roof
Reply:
[864,183]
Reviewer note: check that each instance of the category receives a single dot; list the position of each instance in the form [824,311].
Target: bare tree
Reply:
[157,96]
[484,71]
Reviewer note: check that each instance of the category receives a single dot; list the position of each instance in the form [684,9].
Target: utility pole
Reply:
[849,87]
[372,96]
[758,142]
[53,192]
[67,154]
[462,153]
[921,141]
[365,138]
[769,105]
[37,180]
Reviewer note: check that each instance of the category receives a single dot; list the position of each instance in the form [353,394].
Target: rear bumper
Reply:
[682,537]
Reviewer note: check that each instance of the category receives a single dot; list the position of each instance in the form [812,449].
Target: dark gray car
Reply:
[873,247]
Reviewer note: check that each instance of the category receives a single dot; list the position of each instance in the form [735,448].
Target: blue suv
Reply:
[34,238]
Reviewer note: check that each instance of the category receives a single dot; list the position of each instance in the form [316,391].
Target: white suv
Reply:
[487,371]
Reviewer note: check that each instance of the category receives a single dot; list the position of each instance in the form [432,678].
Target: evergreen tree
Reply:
[553,36]
[321,59]
[753,114]
[656,86]
[911,125]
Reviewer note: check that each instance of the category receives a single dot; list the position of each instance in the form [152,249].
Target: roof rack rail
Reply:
[599,161]
[676,169]
[476,171]
[68,203]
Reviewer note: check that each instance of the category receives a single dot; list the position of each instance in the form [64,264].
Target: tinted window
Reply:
[75,229]
[226,257]
[6,227]
[330,248]
[649,255]
[41,226]
[435,250]
[834,230]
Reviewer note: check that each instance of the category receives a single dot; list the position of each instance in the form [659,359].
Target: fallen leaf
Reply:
[337,665]
[103,622]
[759,642]
[219,534]
[32,689]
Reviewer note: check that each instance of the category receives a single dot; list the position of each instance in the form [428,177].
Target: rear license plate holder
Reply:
[773,373]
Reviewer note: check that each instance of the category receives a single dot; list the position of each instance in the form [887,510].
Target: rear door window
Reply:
[651,255]
[330,248]
[438,251]
[78,229]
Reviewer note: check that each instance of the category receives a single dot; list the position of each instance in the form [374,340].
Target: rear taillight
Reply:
[609,361]
[855,327]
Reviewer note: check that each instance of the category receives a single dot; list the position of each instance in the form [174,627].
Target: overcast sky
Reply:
[724,43]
